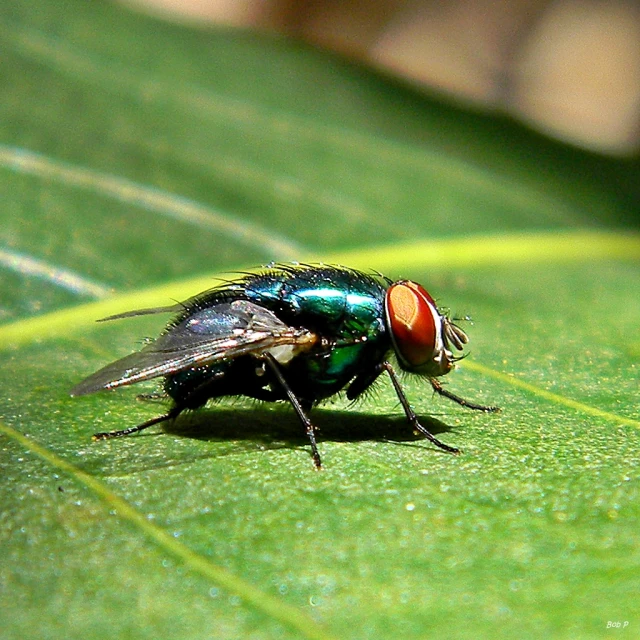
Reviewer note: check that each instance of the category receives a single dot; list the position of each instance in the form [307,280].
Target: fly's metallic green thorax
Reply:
[300,333]
[345,308]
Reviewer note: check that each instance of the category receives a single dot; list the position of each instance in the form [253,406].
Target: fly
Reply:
[299,333]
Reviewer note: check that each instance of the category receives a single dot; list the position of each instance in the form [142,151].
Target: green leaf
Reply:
[139,161]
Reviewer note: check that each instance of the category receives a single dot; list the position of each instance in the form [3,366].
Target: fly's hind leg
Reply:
[197,397]
[298,408]
[151,397]
[170,415]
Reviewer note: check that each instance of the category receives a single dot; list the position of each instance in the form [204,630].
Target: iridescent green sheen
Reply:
[344,307]
[299,333]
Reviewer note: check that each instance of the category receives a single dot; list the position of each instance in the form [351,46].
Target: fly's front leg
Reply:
[298,408]
[440,390]
[410,413]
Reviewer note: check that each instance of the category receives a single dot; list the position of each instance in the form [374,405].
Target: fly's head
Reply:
[422,337]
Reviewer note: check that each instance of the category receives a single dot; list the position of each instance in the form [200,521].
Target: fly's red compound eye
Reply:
[415,324]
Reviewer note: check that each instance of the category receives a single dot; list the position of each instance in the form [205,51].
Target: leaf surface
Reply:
[138,162]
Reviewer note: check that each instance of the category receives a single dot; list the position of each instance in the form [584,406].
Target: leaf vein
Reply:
[550,396]
[30,266]
[267,604]
[152,199]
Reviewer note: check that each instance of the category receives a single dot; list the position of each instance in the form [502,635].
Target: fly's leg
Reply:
[410,413]
[362,382]
[440,390]
[298,408]
[151,397]
[170,415]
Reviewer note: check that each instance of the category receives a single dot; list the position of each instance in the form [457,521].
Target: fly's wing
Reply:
[173,308]
[222,332]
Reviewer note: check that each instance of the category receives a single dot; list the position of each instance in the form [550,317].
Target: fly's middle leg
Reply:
[298,408]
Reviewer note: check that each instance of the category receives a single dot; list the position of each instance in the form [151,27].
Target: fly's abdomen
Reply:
[193,387]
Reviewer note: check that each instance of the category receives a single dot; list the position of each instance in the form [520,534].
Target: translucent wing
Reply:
[224,331]
[174,308]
